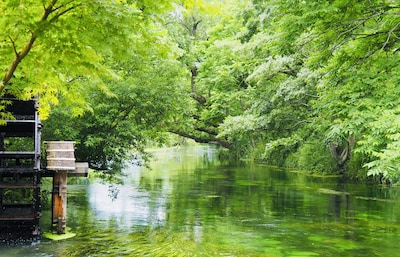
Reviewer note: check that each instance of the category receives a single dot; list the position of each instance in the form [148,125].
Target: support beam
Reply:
[59,202]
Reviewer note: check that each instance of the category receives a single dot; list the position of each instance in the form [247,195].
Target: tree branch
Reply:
[14,47]
[206,130]
[48,10]
[64,12]
[202,139]
[360,23]
[19,56]
[200,99]
[389,35]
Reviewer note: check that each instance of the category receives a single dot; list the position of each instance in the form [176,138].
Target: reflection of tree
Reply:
[339,203]
[212,194]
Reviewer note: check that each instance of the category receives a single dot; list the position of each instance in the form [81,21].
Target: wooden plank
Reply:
[17,212]
[81,170]
[19,155]
[10,171]
[17,217]
[18,185]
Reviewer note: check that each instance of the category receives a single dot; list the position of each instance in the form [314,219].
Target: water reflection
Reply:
[190,204]
[134,205]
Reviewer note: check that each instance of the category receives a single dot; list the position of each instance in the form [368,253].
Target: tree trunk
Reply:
[342,153]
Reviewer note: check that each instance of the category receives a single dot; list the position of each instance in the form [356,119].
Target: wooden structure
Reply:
[20,174]
[60,159]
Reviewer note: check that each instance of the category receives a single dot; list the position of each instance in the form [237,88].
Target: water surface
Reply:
[191,204]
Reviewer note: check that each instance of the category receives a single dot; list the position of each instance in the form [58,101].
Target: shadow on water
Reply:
[191,204]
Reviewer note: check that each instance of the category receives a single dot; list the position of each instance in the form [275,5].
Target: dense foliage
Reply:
[306,84]
[53,47]
[105,67]
[309,84]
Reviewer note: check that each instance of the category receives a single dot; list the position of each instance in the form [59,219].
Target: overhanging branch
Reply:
[202,140]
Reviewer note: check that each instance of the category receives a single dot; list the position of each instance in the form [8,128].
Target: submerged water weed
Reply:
[238,211]
[162,243]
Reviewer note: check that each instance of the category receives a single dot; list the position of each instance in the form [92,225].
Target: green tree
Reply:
[279,80]
[353,46]
[123,117]
[341,55]
[191,27]
[105,67]
[255,96]
[312,73]
[49,46]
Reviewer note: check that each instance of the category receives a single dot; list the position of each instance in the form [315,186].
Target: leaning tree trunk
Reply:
[341,153]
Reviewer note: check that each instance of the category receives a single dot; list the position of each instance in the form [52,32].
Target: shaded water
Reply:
[190,204]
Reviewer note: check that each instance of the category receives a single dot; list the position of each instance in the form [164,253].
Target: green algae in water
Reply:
[235,211]
[159,243]
[341,244]
[56,237]
[302,254]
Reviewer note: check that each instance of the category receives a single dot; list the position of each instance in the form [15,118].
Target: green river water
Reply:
[191,204]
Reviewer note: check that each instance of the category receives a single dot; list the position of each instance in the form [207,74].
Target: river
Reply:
[192,204]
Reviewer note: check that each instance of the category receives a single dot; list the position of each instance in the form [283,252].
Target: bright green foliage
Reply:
[301,75]
[190,27]
[106,68]
[293,82]
[52,47]
[360,82]
[129,112]
[353,48]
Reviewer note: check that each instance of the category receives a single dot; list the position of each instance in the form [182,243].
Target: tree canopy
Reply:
[54,47]
[305,84]
[309,84]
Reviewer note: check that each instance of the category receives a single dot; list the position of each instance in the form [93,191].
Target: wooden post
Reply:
[59,202]
[60,159]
